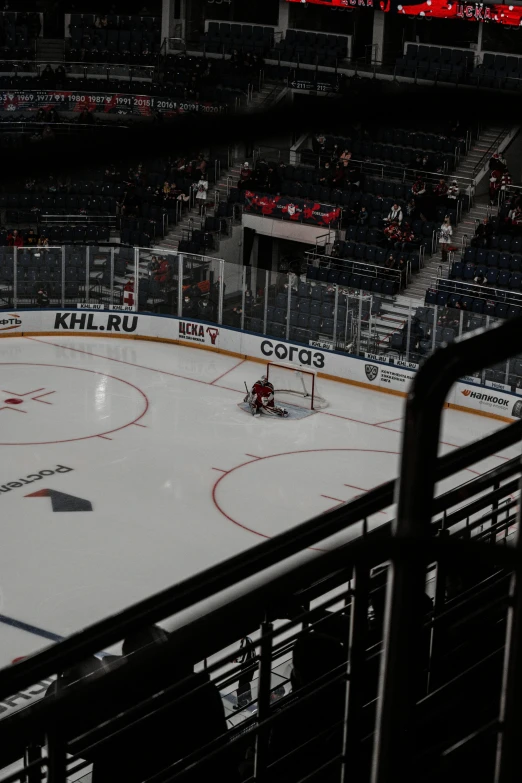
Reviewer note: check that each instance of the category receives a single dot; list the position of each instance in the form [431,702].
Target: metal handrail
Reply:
[415,502]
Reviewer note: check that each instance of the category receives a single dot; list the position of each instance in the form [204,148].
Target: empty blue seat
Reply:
[504,277]
[515,281]
[492,276]
[478,306]
[501,311]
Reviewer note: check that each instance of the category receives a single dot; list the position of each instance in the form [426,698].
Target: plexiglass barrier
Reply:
[280,305]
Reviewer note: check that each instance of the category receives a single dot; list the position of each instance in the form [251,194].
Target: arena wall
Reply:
[365,372]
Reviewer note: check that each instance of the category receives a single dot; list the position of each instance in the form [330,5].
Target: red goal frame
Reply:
[316,401]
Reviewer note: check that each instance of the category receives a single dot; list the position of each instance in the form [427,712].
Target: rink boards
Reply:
[368,373]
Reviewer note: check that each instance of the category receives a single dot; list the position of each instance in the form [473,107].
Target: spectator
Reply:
[494,185]
[245,176]
[411,209]
[47,76]
[406,239]
[14,239]
[314,656]
[441,189]
[163,273]
[201,188]
[31,238]
[42,297]
[402,267]
[43,241]
[496,162]
[272,180]
[395,215]
[339,176]
[453,192]
[515,219]
[483,234]
[391,262]
[128,292]
[345,156]
[326,175]
[445,234]
[205,309]
[362,217]
[479,279]
[392,233]
[154,266]
[189,306]
[418,188]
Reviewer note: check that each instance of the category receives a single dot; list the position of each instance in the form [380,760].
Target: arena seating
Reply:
[225,37]
[18,32]
[134,39]
[311,48]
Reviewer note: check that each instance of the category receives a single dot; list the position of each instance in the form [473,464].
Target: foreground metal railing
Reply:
[332,598]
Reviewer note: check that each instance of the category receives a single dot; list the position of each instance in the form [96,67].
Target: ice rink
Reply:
[128,465]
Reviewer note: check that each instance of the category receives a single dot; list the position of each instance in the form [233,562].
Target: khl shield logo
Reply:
[371,371]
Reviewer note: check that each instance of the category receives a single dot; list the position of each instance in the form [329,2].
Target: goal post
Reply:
[295,385]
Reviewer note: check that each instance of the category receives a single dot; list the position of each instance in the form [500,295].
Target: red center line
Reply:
[227,371]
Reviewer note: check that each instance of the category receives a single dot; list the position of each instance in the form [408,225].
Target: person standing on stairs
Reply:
[201,188]
[445,234]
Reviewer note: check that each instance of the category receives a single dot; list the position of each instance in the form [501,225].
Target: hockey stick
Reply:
[247,400]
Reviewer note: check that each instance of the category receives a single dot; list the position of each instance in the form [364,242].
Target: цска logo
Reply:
[371,371]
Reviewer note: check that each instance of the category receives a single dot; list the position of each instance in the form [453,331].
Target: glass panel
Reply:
[75,274]
[158,282]
[234,275]
[38,276]
[202,288]
[255,294]
[6,278]
[277,304]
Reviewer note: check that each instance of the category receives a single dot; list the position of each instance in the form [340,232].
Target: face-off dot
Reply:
[13,401]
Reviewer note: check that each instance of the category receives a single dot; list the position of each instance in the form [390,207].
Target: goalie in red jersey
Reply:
[261,399]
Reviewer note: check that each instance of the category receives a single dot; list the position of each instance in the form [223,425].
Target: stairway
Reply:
[268,95]
[50,50]
[466,227]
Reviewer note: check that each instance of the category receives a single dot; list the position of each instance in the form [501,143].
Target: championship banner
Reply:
[297,210]
[109,103]
[510,15]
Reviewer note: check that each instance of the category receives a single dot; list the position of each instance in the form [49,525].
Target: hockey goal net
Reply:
[295,386]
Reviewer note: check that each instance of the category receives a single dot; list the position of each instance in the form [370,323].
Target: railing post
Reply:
[111,273]
[263,702]
[355,675]
[56,757]
[358,344]
[221,290]
[15,277]
[288,306]
[63,277]
[243,296]
[136,278]
[87,273]
[265,308]
[336,304]
[180,285]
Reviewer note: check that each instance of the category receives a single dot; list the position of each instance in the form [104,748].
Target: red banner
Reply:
[297,210]
[436,9]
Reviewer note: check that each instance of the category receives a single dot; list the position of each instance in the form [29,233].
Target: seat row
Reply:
[28,290]
[374,254]
[495,258]
[501,278]
[480,306]
[59,204]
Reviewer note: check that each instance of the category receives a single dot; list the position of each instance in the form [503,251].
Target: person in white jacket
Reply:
[445,234]
[201,188]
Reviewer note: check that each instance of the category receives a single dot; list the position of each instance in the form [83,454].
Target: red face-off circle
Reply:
[13,401]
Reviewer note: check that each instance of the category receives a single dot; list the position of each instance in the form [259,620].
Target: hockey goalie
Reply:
[261,399]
